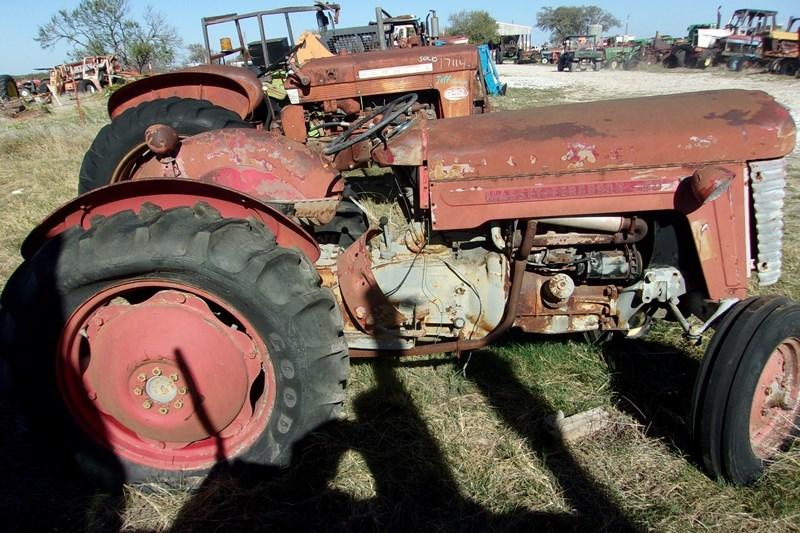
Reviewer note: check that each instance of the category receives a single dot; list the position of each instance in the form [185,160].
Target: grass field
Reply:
[427,444]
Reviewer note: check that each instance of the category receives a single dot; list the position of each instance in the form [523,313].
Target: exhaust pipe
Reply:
[604,224]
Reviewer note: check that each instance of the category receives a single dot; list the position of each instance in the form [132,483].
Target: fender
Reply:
[254,162]
[233,88]
[168,193]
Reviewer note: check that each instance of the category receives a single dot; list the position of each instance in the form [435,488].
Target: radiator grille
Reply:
[767,182]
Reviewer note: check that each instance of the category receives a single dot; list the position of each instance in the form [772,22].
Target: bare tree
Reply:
[101,27]
[153,43]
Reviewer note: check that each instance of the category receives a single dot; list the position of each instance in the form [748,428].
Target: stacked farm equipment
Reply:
[200,301]
[698,49]
[650,51]
[89,75]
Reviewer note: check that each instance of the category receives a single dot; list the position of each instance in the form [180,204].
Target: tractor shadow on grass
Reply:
[653,383]
[411,485]
[41,455]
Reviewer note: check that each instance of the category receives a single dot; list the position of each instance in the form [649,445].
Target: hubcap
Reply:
[775,408]
[165,375]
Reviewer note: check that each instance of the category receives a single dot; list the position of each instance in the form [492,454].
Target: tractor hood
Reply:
[660,131]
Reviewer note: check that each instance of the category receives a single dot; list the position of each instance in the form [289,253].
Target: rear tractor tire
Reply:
[120,144]
[746,402]
[152,346]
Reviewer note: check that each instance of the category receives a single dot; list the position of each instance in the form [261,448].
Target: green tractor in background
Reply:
[580,52]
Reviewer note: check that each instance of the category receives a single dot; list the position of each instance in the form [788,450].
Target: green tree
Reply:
[101,27]
[573,20]
[479,26]
[196,53]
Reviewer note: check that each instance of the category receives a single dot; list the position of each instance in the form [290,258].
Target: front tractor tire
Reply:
[746,405]
[152,346]
[120,145]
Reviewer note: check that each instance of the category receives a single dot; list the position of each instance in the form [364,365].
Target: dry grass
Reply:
[432,443]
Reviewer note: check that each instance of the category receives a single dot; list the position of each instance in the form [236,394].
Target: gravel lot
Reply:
[607,84]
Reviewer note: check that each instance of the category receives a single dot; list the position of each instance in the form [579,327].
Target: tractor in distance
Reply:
[742,48]
[181,311]
[697,50]
[580,52]
[780,49]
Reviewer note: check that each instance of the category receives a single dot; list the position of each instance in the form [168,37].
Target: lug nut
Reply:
[173,376]
[182,390]
[163,410]
[178,404]
[147,404]
[137,391]
[156,371]
[142,378]
[92,395]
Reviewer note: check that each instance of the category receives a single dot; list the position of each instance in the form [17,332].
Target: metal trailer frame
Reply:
[259,15]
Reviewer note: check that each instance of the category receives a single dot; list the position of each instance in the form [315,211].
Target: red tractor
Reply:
[186,314]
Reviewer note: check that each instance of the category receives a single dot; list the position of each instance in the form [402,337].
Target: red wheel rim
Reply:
[776,401]
[165,375]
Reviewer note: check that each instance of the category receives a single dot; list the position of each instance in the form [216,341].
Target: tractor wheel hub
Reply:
[168,369]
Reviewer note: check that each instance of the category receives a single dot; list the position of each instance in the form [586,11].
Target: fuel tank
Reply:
[659,131]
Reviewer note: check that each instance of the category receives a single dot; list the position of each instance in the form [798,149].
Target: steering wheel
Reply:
[390,111]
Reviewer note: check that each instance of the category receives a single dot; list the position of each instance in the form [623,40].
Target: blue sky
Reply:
[20,19]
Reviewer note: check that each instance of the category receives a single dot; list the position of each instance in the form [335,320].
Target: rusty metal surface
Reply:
[406,149]
[363,299]
[395,62]
[585,309]
[258,163]
[470,203]
[720,234]
[161,139]
[449,70]
[293,122]
[316,212]
[695,128]
[233,88]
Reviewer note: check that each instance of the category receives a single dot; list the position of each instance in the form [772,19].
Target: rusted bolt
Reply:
[156,371]
[137,391]
[178,404]
[182,390]
[142,378]
[163,410]
[180,298]
[161,139]
[147,404]
[174,376]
